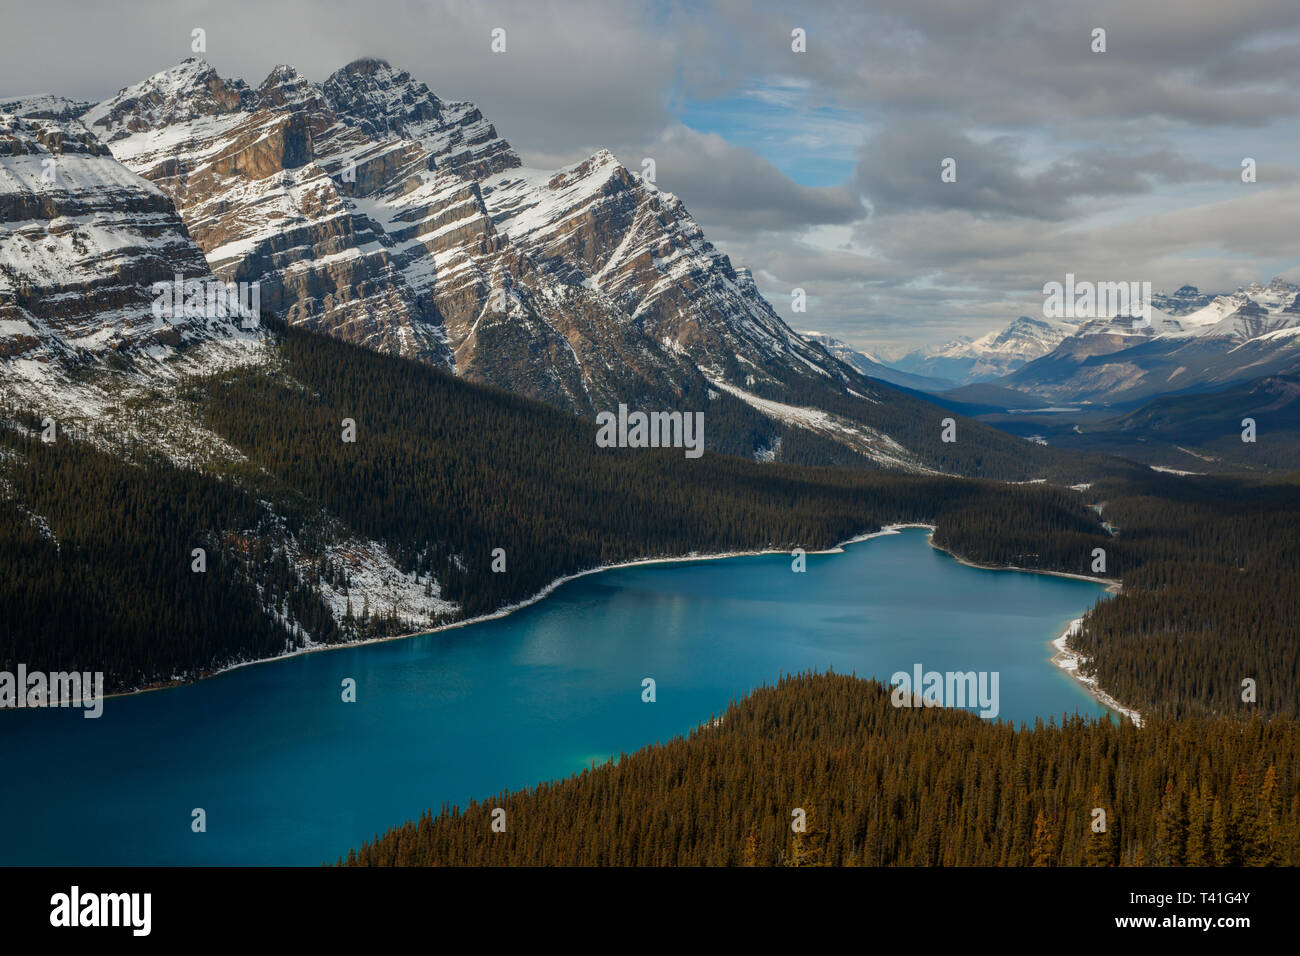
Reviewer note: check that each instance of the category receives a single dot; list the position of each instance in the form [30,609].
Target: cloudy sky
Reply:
[821,169]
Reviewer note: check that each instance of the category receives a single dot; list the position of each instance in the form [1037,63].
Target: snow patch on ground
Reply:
[378,583]
[1070,662]
[874,444]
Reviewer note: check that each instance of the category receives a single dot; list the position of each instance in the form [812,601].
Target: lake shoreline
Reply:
[547,591]
[1064,658]
[1113,585]
[502,612]
[1069,661]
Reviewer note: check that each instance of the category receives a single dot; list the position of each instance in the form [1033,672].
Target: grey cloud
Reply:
[900,170]
[1046,134]
[723,183]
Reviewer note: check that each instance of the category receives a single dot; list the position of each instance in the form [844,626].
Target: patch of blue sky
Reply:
[815,145]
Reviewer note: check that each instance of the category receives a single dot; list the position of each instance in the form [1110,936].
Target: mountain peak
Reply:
[367,65]
[186,91]
[284,87]
[371,89]
[387,103]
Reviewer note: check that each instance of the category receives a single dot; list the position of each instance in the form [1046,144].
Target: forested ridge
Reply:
[97,544]
[1211,597]
[443,472]
[883,786]
[102,578]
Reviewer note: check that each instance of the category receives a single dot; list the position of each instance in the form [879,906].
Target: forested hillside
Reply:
[445,472]
[96,567]
[442,472]
[883,786]
[97,544]
[1211,598]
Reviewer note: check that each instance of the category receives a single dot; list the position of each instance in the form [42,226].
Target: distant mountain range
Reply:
[1171,393]
[966,360]
[1190,345]
[869,366]
[1195,341]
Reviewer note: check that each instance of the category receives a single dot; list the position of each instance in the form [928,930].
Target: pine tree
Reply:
[1099,850]
[1266,844]
[1243,818]
[1221,843]
[1042,852]
[808,847]
[1171,826]
[1198,837]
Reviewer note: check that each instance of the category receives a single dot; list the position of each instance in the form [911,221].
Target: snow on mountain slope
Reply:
[867,441]
[368,208]
[43,106]
[597,225]
[84,239]
[261,178]
[1253,319]
[1213,313]
[966,360]
[1022,339]
[1230,338]
[388,104]
[1182,301]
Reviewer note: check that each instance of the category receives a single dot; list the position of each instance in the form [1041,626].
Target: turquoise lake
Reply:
[290,774]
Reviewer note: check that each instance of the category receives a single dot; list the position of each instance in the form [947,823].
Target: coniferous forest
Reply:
[442,472]
[886,786]
[97,572]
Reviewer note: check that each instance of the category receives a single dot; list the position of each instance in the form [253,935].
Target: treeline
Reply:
[97,568]
[1211,599]
[978,450]
[442,473]
[445,472]
[886,786]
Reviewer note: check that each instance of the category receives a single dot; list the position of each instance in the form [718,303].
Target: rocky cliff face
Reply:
[597,226]
[370,209]
[82,242]
[386,104]
[250,173]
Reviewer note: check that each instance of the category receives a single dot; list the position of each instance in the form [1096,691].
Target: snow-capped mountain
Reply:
[874,368]
[83,240]
[1200,343]
[368,208]
[1185,299]
[965,360]
[371,209]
